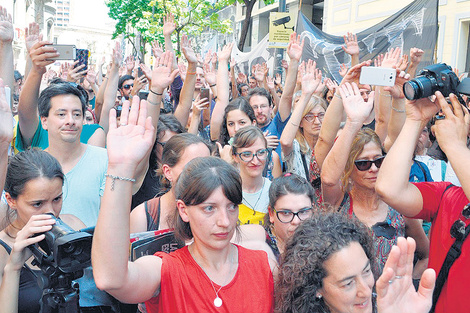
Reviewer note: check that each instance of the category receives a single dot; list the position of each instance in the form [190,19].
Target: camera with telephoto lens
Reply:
[436,77]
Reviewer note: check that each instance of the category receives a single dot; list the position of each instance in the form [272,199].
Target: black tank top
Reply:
[30,294]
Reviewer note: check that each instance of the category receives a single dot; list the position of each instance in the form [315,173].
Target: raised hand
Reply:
[343,69]
[416,55]
[284,64]
[41,54]
[169,24]
[163,75]
[351,46]
[130,63]
[452,129]
[378,60]
[354,73]
[209,74]
[356,109]
[6,119]
[395,290]
[277,79]
[403,62]
[128,144]
[397,90]
[6,26]
[226,52]
[91,77]
[182,70]
[391,58]
[31,35]
[311,79]
[270,82]
[76,73]
[331,84]
[241,78]
[188,51]
[295,47]
[157,49]
[116,57]
[147,72]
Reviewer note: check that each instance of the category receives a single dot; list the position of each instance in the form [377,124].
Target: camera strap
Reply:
[8,249]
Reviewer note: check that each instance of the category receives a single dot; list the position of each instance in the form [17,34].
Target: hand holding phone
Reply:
[377,76]
[82,57]
[204,93]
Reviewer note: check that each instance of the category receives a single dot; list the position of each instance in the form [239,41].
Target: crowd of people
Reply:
[290,193]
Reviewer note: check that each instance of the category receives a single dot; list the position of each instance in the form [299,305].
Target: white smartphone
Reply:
[67,52]
[377,76]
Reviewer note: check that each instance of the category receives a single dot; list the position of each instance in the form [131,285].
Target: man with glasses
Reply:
[442,203]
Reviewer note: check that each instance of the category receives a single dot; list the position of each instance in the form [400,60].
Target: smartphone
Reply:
[377,76]
[143,95]
[204,93]
[140,73]
[82,57]
[67,52]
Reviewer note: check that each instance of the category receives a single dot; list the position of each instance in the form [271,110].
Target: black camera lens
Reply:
[420,87]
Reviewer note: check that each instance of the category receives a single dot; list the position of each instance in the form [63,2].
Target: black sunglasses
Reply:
[127,86]
[364,165]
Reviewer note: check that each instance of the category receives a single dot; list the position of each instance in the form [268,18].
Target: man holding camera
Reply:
[439,202]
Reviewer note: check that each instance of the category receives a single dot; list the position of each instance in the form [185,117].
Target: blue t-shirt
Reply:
[420,172]
[276,128]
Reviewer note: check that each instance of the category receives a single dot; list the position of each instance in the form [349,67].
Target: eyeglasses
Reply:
[247,156]
[161,144]
[127,86]
[364,165]
[311,117]
[263,106]
[286,216]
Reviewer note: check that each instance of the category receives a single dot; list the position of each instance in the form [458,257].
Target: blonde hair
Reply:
[363,137]
[299,136]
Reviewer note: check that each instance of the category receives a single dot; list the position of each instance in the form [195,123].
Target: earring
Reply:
[319,296]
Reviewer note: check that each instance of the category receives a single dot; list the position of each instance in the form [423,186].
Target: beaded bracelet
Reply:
[118,178]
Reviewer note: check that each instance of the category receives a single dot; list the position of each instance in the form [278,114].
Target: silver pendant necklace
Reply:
[217,301]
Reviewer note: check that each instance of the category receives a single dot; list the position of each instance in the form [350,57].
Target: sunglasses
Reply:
[364,165]
[127,86]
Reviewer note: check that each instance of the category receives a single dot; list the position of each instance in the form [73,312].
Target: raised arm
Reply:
[222,91]
[187,92]
[393,184]
[351,47]
[357,112]
[6,48]
[294,51]
[169,27]
[310,81]
[111,87]
[41,54]
[415,58]
[6,133]
[334,116]
[398,113]
[129,282]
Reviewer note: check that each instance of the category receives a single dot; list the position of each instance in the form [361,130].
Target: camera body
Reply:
[63,248]
[436,77]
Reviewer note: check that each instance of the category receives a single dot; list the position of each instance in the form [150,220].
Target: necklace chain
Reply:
[217,300]
[259,197]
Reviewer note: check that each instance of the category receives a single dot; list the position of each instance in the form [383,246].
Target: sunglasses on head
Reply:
[364,165]
[127,86]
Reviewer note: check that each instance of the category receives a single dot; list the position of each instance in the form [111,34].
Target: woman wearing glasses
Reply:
[250,152]
[301,133]
[291,200]
[348,177]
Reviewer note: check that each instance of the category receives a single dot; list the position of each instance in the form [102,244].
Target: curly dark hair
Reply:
[301,271]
